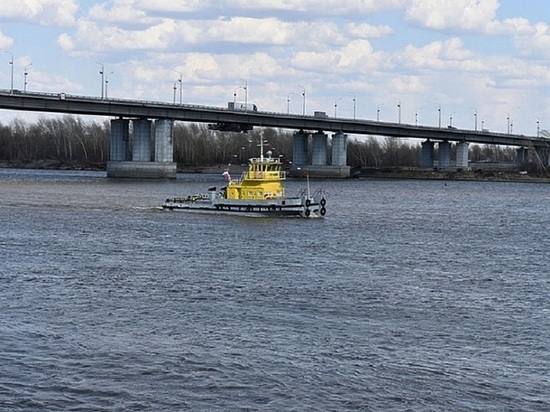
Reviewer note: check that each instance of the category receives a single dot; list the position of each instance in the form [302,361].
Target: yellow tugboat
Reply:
[259,192]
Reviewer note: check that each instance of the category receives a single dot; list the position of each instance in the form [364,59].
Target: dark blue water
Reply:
[409,296]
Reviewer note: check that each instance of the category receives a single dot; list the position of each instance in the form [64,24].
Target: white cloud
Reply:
[249,30]
[367,31]
[122,11]
[439,55]
[5,41]
[408,84]
[358,55]
[45,12]
[461,15]
[173,6]
[326,7]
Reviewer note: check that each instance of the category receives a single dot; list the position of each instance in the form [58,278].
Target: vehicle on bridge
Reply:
[259,192]
[243,107]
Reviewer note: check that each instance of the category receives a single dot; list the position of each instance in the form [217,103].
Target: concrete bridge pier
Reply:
[319,149]
[319,166]
[462,155]
[444,154]
[521,155]
[141,165]
[120,141]
[164,143]
[427,161]
[141,140]
[300,148]
[339,149]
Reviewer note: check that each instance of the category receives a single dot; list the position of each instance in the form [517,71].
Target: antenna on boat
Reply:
[307,181]
[261,148]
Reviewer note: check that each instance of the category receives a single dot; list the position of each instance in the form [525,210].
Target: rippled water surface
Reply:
[409,296]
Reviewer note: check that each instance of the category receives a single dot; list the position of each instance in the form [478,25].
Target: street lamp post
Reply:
[399,112]
[508,121]
[180,82]
[303,100]
[451,119]
[336,106]
[439,115]
[175,87]
[245,87]
[475,120]
[102,72]
[378,112]
[354,105]
[288,102]
[107,84]
[25,74]
[11,63]
[538,128]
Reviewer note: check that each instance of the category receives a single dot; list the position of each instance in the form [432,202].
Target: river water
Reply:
[408,296]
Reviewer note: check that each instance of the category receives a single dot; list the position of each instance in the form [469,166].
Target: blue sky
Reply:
[475,59]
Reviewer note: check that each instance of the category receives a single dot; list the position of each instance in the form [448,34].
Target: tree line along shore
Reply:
[70,142]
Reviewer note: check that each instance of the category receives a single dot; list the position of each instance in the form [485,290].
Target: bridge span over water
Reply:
[137,161]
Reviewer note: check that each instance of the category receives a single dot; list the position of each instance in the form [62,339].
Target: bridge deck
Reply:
[82,105]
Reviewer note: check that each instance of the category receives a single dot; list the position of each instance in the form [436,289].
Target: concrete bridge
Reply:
[148,123]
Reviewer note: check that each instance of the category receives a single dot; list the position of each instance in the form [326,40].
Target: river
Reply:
[408,296]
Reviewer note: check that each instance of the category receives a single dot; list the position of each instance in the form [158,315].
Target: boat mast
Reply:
[261,148]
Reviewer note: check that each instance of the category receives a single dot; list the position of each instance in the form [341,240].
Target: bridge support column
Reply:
[444,154]
[427,155]
[462,155]
[521,155]
[141,140]
[339,149]
[120,139]
[140,166]
[319,149]
[299,148]
[164,145]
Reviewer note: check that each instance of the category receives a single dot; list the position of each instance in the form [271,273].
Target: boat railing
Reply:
[263,175]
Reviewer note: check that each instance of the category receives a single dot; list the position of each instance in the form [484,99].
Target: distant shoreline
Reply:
[486,174]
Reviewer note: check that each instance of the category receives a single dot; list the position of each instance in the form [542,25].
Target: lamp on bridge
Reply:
[11,63]
[378,112]
[107,83]
[399,112]
[245,87]
[336,106]
[288,102]
[25,74]
[303,100]
[102,72]
[180,81]
[354,104]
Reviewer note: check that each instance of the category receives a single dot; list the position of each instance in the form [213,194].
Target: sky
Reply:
[470,63]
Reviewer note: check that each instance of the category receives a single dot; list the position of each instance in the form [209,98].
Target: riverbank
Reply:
[479,174]
[489,173]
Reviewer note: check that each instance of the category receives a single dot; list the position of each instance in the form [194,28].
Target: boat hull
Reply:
[289,207]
